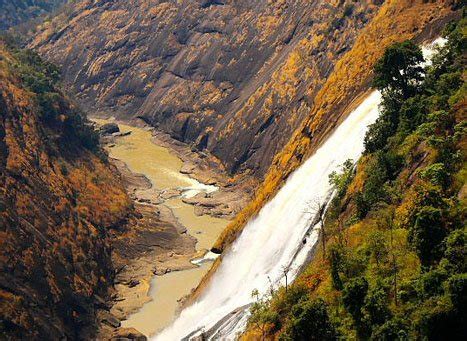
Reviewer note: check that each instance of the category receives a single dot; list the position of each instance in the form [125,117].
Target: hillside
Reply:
[343,89]
[58,200]
[392,264]
[245,91]
[15,12]
[233,77]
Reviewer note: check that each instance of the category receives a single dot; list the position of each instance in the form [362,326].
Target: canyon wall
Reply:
[233,77]
[241,79]
[397,20]
[58,200]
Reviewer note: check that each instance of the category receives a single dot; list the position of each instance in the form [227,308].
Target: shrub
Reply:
[427,234]
[353,297]
[456,250]
[437,174]
[394,329]
[310,321]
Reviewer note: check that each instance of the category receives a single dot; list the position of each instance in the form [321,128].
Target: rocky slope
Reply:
[58,200]
[392,263]
[396,21]
[233,77]
[14,12]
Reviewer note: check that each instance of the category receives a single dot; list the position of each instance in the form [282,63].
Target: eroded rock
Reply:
[123,334]
[109,129]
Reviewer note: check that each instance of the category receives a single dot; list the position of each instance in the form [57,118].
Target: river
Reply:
[162,168]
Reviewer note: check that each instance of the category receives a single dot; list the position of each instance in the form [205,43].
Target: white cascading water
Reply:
[273,240]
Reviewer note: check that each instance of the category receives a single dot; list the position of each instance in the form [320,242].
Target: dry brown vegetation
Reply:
[58,199]
[397,20]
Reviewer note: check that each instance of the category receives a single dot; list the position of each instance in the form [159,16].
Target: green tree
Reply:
[336,259]
[353,297]
[456,250]
[310,321]
[262,316]
[398,73]
[341,181]
[427,234]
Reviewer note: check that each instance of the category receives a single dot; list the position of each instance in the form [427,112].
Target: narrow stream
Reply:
[162,168]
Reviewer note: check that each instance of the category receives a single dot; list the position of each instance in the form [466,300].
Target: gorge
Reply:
[235,153]
[285,233]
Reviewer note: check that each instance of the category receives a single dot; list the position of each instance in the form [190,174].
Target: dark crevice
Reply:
[209,3]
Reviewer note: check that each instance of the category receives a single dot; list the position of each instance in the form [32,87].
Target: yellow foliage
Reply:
[397,20]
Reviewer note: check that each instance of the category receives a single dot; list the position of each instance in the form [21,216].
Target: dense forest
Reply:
[392,262]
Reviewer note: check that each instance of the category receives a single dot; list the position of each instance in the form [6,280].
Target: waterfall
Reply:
[274,239]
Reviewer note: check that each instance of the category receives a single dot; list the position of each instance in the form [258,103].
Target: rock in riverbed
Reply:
[109,129]
[109,319]
[187,168]
[169,194]
[128,334]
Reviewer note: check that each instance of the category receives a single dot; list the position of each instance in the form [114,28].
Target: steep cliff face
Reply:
[58,198]
[392,263]
[14,12]
[396,20]
[234,77]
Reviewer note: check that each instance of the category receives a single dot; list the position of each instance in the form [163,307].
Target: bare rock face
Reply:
[233,77]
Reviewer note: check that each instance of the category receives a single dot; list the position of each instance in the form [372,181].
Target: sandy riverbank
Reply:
[179,219]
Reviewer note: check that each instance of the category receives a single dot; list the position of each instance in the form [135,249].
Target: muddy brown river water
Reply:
[162,168]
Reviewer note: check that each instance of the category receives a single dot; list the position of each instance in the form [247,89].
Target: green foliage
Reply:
[336,260]
[413,112]
[341,181]
[398,73]
[436,174]
[376,310]
[456,250]
[457,291]
[377,246]
[399,272]
[385,126]
[381,169]
[353,297]
[262,315]
[42,79]
[427,234]
[310,320]
[37,75]
[394,329]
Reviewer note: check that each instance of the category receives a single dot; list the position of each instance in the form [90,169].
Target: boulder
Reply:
[187,168]
[128,334]
[110,319]
[169,194]
[109,129]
